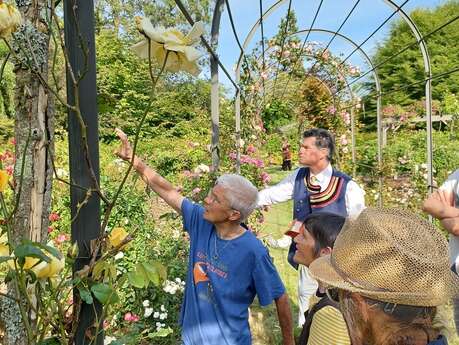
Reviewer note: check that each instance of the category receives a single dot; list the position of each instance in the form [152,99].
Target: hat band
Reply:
[356,282]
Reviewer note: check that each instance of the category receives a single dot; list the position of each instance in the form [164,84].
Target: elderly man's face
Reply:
[216,206]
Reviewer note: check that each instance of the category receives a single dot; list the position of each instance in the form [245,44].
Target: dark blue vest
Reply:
[332,200]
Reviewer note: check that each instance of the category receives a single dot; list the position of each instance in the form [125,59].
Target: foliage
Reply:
[123,93]
[277,114]
[407,68]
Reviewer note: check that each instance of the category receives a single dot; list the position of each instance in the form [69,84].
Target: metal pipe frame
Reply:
[427,69]
[351,95]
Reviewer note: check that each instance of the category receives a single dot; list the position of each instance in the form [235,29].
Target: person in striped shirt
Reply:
[324,322]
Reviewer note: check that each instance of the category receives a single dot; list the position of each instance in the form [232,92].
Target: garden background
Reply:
[175,140]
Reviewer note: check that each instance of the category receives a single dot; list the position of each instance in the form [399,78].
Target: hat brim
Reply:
[322,270]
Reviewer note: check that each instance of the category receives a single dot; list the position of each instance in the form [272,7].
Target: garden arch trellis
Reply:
[263,15]
[366,57]
[332,94]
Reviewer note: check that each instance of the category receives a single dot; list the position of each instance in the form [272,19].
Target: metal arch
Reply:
[351,94]
[214,88]
[428,85]
[367,58]
[378,97]
[427,67]
[328,73]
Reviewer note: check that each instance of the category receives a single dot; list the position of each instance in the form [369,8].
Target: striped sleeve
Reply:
[328,327]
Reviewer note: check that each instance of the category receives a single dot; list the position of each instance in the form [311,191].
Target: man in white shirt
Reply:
[444,205]
[316,187]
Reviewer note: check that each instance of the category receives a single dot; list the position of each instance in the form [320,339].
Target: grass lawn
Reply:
[263,321]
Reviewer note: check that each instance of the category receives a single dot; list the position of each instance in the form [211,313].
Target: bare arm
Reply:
[284,315]
[155,181]
[451,225]
[440,204]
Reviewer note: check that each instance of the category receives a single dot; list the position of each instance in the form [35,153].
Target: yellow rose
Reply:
[4,250]
[183,57]
[48,269]
[28,264]
[3,180]
[116,237]
[10,19]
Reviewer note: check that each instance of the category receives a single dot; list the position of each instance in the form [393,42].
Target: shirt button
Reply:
[297,210]
[301,201]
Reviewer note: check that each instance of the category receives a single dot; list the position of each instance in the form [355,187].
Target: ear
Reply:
[234,215]
[325,251]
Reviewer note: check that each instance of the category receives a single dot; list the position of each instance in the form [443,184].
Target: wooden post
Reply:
[80,43]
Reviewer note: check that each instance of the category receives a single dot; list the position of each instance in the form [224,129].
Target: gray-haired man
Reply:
[227,265]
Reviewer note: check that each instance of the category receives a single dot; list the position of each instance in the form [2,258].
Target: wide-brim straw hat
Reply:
[390,255]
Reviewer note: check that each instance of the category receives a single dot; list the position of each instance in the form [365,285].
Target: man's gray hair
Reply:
[241,194]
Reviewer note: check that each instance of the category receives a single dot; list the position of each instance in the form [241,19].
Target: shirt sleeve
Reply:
[280,192]
[268,284]
[191,215]
[328,327]
[452,183]
[355,199]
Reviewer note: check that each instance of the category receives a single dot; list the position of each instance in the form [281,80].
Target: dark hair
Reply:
[324,140]
[324,227]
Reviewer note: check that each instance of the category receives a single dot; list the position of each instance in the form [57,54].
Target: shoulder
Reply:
[252,243]
[300,172]
[189,208]
[451,184]
[328,327]
[342,175]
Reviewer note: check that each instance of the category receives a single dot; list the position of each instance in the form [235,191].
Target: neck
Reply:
[320,166]
[229,231]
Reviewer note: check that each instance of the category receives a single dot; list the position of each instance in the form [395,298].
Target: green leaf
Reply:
[85,295]
[162,271]
[99,267]
[104,293]
[151,273]
[30,250]
[137,280]
[162,333]
[53,251]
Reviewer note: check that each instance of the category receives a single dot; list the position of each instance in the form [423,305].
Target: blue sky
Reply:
[367,16]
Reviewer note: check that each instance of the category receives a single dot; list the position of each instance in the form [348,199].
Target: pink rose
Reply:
[53,217]
[251,149]
[61,238]
[131,317]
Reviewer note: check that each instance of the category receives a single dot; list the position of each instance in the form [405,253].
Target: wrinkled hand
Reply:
[446,198]
[125,150]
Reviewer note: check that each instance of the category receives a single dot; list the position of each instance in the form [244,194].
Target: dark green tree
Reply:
[408,68]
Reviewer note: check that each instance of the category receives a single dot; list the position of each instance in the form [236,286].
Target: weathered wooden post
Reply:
[80,43]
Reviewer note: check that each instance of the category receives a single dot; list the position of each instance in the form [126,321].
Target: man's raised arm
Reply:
[155,181]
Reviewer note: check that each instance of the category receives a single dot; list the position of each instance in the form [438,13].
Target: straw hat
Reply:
[391,255]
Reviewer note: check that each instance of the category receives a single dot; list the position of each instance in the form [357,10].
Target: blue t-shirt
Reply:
[222,280]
